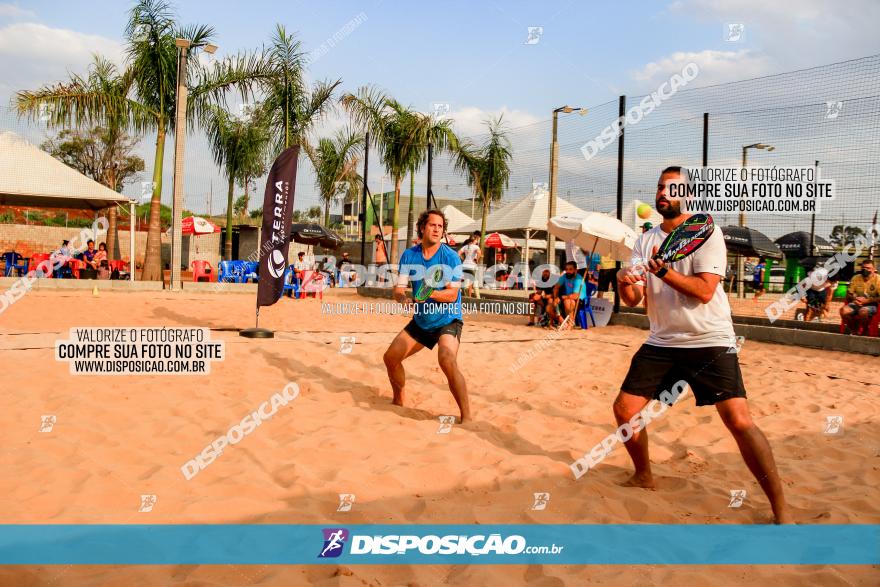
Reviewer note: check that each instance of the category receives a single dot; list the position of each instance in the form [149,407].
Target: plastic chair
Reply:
[15,263]
[201,269]
[75,265]
[226,273]
[291,283]
[117,266]
[250,270]
[313,282]
[35,262]
[585,308]
[873,327]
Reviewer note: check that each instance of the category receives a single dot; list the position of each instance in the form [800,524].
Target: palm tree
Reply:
[107,139]
[441,128]
[144,98]
[291,106]
[240,146]
[487,169]
[335,161]
[402,136]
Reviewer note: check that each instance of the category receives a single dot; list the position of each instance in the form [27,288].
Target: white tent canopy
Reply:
[530,212]
[31,177]
[456,219]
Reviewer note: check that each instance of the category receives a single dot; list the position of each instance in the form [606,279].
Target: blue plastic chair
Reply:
[224,272]
[231,272]
[14,263]
[249,271]
[291,283]
[585,308]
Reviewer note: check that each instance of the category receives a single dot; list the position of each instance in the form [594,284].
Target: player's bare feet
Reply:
[644,480]
[783,517]
[397,400]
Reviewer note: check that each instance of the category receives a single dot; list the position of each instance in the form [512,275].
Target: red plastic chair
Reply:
[873,326]
[312,283]
[202,269]
[116,265]
[38,258]
[75,266]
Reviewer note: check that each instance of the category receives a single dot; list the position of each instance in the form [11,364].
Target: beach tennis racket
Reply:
[686,238]
[424,290]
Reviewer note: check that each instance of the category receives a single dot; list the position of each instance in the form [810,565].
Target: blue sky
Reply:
[471,55]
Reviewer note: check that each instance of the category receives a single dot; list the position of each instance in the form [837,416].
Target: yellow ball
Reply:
[644,211]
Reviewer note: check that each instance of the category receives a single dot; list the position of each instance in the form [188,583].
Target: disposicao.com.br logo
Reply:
[431,544]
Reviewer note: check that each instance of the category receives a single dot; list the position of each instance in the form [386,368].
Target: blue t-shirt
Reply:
[430,314]
[757,273]
[575,284]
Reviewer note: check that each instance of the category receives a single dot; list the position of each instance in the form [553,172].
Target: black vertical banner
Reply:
[275,236]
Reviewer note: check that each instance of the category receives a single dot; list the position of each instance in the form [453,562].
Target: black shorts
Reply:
[429,338]
[712,373]
[815,299]
[606,279]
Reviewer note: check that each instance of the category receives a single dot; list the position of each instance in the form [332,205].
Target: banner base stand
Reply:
[256,333]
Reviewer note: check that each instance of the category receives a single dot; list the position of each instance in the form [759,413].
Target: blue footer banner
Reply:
[607,544]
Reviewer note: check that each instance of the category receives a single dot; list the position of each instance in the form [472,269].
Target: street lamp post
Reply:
[183,46]
[554,167]
[740,286]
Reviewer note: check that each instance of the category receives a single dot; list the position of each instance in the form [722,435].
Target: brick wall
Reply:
[30,239]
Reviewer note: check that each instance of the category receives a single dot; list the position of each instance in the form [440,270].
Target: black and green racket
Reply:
[424,290]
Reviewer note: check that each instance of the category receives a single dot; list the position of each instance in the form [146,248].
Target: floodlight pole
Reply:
[554,169]
[179,143]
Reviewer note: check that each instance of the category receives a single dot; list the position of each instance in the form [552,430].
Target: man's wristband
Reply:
[663,271]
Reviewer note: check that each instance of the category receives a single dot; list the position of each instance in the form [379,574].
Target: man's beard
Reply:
[669,212]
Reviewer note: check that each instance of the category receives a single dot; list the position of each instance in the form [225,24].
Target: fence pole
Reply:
[622,114]
[705,139]
[813,223]
[430,194]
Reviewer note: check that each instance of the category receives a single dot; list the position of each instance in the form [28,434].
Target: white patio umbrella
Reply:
[597,233]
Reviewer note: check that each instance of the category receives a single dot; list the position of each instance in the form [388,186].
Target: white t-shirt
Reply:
[470,256]
[819,279]
[678,320]
[574,253]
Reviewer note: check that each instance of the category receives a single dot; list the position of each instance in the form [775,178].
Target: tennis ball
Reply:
[644,211]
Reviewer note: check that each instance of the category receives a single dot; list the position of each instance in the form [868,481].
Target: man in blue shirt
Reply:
[758,277]
[437,320]
[570,289]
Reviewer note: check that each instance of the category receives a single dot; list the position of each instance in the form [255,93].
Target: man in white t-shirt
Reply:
[691,340]
[470,257]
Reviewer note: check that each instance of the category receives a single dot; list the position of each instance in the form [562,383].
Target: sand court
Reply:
[115,439]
